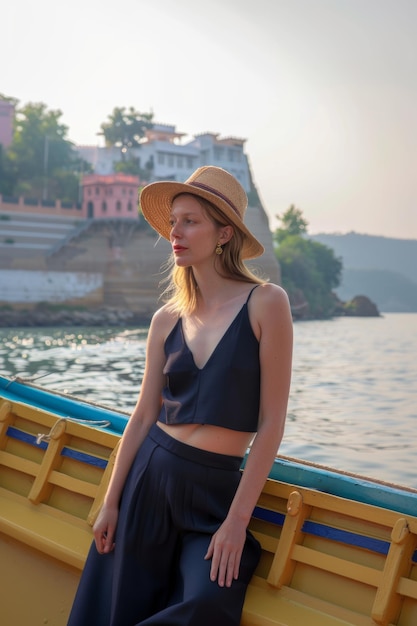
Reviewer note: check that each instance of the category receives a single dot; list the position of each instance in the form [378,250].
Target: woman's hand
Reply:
[225,550]
[105,528]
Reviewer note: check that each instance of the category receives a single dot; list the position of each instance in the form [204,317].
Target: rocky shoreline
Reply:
[359,306]
[64,316]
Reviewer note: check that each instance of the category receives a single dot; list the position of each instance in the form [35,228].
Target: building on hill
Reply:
[166,155]
[112,196]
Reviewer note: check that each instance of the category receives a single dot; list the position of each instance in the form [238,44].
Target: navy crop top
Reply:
[226,391]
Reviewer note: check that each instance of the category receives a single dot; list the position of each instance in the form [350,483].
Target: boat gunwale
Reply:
[356,487]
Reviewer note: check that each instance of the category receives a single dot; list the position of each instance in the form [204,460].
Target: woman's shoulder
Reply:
[163,321]
[270,294]
[270,309]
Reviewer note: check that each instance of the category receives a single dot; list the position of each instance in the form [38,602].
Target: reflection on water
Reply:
[353,401]
[102,366]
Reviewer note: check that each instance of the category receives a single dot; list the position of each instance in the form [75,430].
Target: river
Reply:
[353,402]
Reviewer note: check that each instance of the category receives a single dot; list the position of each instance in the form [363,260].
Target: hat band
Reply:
[218,194]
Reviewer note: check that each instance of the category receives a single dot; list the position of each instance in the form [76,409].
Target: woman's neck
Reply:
[213,295]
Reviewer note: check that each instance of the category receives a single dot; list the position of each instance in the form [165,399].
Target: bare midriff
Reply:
[210,438]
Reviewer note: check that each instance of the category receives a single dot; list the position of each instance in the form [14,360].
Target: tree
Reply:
[41,162]
[309,269]
[8,173]
[10,99]
[125,128]
[293,223]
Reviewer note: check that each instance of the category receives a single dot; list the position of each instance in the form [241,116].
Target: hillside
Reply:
[381,268]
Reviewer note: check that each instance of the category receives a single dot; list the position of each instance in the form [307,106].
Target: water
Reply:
[353,403]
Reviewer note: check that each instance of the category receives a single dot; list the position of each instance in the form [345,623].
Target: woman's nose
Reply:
[175,231]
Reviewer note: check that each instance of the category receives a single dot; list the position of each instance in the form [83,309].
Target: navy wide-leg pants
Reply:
[175,498]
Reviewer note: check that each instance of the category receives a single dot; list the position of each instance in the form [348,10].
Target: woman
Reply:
[171,540]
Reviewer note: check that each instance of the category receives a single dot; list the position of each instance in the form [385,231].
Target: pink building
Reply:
[110,196]
[6,122]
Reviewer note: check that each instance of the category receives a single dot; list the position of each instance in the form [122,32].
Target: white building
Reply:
[167,155]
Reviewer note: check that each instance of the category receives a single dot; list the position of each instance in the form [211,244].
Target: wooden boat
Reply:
[337,549]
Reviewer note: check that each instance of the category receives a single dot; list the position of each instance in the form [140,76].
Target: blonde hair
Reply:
[181,292]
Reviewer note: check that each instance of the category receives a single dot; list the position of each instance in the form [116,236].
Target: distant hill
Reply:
[392,292]
[381,268]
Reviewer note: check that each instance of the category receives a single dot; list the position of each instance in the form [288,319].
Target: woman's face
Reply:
[194,235]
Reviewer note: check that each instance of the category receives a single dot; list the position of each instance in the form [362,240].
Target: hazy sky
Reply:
[324,91]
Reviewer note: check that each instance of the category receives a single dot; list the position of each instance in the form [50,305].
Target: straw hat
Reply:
[211,183]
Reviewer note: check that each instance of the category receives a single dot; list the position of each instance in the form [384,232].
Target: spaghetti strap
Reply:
[251,292]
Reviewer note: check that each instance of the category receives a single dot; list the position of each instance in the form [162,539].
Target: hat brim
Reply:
[156,201]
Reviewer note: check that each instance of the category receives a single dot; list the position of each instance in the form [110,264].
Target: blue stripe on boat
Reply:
[344,536]
[84,457]
[268,516]
[77,455]
[15,433]
[328,532]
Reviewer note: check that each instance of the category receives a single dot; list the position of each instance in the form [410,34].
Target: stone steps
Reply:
[25,235]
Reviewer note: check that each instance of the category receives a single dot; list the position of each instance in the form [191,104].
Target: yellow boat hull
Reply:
[326,560]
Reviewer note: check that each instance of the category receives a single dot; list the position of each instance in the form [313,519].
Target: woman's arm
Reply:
[272,315]
[144,415]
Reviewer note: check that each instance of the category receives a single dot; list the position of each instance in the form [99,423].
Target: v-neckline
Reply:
[201,369]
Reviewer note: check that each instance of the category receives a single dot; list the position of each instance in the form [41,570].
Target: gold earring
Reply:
[219,249]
